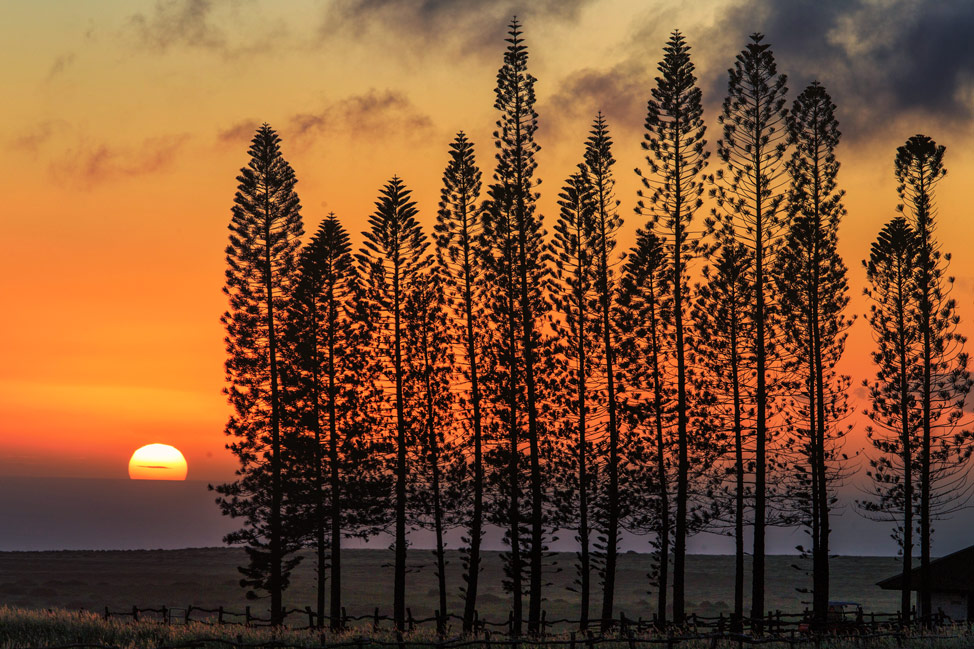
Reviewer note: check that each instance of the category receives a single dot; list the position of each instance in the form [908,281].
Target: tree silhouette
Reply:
[430,372]
[891,273]
[457,238]
[643,297]
[512,208]
[749,209]
[393,260]
[329,337]
[576,247]
[262,260]
[599,160]
[945,380]
[813,292]
[721,317]
[670,196]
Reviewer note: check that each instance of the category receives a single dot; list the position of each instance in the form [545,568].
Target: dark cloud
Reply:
[60,64]
[88,165]
[373,114]
[467,26]
[879,60]
[619,92]
[178,22]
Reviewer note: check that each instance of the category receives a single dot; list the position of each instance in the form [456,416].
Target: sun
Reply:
[157,462]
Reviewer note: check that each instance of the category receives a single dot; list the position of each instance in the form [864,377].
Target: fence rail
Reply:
[775,623]
[628,641]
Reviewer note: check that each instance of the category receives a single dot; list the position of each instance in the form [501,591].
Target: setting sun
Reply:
[157,462]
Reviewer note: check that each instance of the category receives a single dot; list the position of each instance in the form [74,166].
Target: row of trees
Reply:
[489,374]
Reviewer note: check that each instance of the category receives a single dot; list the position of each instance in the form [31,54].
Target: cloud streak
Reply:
[471,27]
[89,165]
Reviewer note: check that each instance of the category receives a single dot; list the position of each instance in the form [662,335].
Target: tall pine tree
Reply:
[265,232]
[394,261]
[672,190]
[750,197]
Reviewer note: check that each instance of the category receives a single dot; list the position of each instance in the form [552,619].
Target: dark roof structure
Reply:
[952,573]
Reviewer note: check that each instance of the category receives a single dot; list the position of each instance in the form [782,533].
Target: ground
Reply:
[207,577]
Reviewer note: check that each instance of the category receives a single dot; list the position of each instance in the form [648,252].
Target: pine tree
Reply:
[329,336]
[749,209]
[642,299]
[430,371]
[674,141]
[945,380]
[890,272]
[721,318]
[393,262]
[599,160]
[513,217]
[265,232]
[457,237]
[813,290]
[575,249]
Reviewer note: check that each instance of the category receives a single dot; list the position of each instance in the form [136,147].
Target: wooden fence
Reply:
[775,623]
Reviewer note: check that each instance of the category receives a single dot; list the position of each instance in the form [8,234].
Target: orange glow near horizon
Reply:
[126,124]
[157,462]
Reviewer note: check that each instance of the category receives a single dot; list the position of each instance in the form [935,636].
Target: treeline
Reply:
[492,373]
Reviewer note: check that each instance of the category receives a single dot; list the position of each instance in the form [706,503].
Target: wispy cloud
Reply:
[178,22]
[61,63]
[38,135]
[468,26]
[87,165]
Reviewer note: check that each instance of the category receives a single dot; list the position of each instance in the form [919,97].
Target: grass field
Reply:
[207,577]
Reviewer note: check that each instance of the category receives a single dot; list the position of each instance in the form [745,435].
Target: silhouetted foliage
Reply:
[334,402]
[813,292]
[670,196]
[457,239]
[749,210]
[261,269]
[394,264]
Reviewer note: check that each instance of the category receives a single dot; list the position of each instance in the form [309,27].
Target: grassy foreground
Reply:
[22,629]
[208,577]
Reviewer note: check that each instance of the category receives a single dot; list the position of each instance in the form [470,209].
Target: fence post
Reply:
[375,619]
[544,622]
[571,641]
[720,623]
[247,616]
[106,613]
[344,619]
[410,622]
[165,617]
[219,616]
[486,638]
[311,617]
[476,620]
[510,624]
[623,622]
[135,613]
[189,611]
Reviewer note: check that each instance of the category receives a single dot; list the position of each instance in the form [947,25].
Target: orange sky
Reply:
[125,124]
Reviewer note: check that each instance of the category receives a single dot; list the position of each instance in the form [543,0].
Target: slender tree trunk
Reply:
[925,315]
[612,522]
[319,480]
[737,624]
[582,442]
[476,524]
[517,586]
[664,508]
[760,480]
[275,585]
[683,467]
[907,442]
[399,587]
[336,485]
[437,502]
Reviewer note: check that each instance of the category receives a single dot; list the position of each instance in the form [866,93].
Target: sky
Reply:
[124,125]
